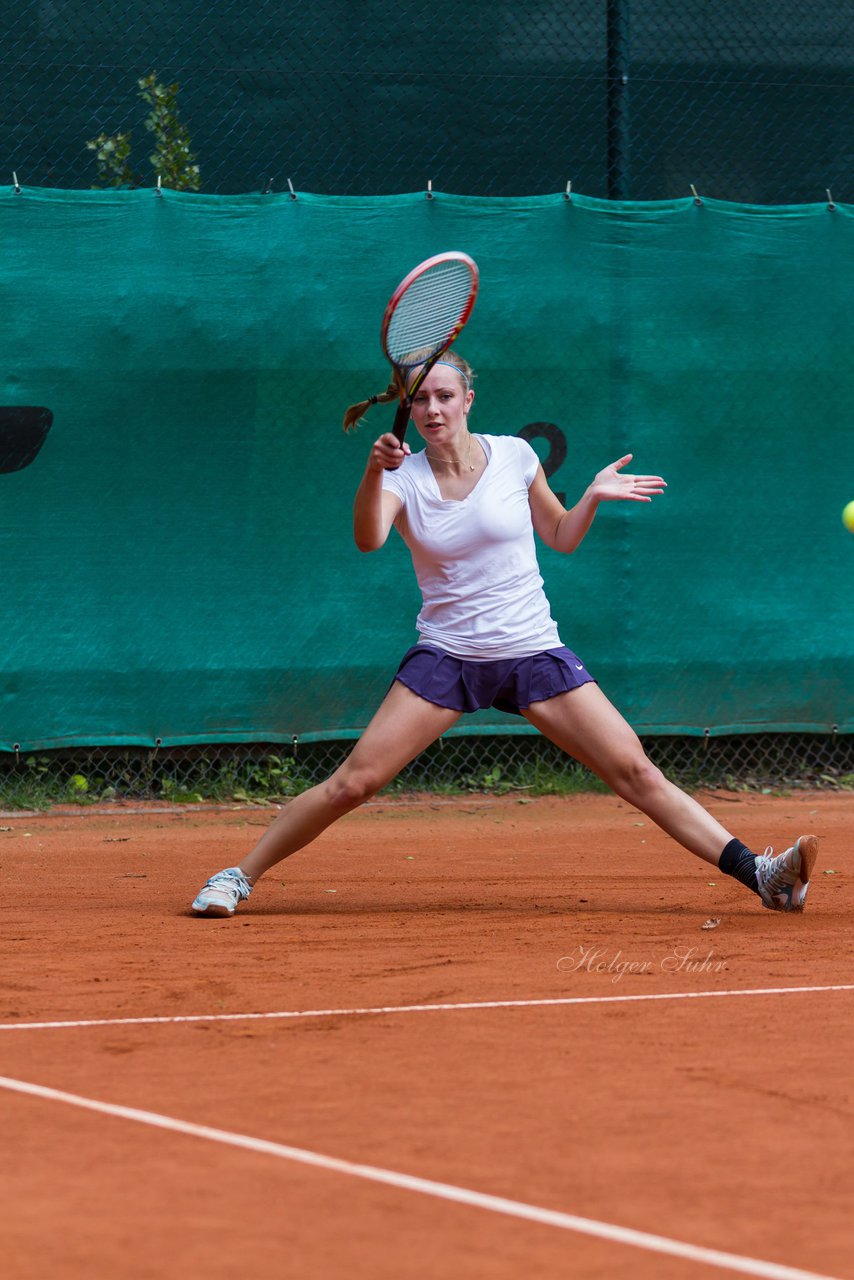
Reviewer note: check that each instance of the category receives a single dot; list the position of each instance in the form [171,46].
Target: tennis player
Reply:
[468,507]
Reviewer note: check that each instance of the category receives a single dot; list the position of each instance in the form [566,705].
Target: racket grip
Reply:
[401,419]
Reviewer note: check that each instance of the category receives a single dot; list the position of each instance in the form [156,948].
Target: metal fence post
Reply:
[618,99]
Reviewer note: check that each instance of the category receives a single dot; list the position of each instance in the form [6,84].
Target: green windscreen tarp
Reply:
[177,565]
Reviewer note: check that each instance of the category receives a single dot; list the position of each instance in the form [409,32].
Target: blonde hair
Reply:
[356,412]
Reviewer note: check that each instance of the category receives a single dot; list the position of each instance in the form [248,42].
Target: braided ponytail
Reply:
[357,411]
[393,392]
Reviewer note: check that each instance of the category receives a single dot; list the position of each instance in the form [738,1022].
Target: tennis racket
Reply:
[424,316]
[23,429]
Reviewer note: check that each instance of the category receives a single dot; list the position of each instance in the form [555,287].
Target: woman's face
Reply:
[440,405]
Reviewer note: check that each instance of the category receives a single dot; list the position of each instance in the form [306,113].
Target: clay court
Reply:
[482,1037]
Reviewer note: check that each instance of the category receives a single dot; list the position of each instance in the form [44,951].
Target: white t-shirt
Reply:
[475,560]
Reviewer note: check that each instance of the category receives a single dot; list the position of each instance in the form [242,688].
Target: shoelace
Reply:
[238,884]
[776,881]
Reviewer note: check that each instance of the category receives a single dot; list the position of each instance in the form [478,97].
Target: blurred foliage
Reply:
[172,160]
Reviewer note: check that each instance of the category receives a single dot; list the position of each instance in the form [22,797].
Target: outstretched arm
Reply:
[375,509]
[563,530]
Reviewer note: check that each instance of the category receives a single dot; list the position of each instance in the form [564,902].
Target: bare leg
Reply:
[404,726]
[586,725]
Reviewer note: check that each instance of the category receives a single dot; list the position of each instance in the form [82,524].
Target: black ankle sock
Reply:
[737,861]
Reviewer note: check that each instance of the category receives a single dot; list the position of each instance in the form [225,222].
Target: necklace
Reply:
[447,462]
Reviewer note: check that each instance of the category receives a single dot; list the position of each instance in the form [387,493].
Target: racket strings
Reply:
[428,313]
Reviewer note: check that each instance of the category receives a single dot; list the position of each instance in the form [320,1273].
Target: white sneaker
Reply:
[222,893]
[783,881]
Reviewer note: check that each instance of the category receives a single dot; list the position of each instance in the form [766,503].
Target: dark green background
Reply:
[747,101]
[177,564]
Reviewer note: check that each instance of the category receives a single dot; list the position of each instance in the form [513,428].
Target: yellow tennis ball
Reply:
[848,516]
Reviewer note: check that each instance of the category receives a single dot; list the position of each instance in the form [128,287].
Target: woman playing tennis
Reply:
[468,507]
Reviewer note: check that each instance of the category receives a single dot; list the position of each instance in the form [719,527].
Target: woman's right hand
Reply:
[387,453]
[375,508]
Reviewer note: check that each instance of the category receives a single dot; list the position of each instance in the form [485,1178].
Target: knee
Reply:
[638,777]
[349,788]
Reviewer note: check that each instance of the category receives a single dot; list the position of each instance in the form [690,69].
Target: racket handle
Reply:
[401,419]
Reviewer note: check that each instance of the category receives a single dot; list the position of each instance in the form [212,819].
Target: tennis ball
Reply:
[848,516]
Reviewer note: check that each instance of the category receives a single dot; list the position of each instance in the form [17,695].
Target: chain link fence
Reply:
[625,100]
[633,99]
[264,772]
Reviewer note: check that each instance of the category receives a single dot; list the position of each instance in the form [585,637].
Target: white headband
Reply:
[455,367]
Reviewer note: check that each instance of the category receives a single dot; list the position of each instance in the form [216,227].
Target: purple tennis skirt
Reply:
[508,685]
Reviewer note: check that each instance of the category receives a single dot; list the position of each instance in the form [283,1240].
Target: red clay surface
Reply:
[724,1123]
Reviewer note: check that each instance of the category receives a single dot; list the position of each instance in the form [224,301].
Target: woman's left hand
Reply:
[613,484]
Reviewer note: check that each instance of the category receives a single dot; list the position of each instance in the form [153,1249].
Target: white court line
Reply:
[418,1008]
[425,1186]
